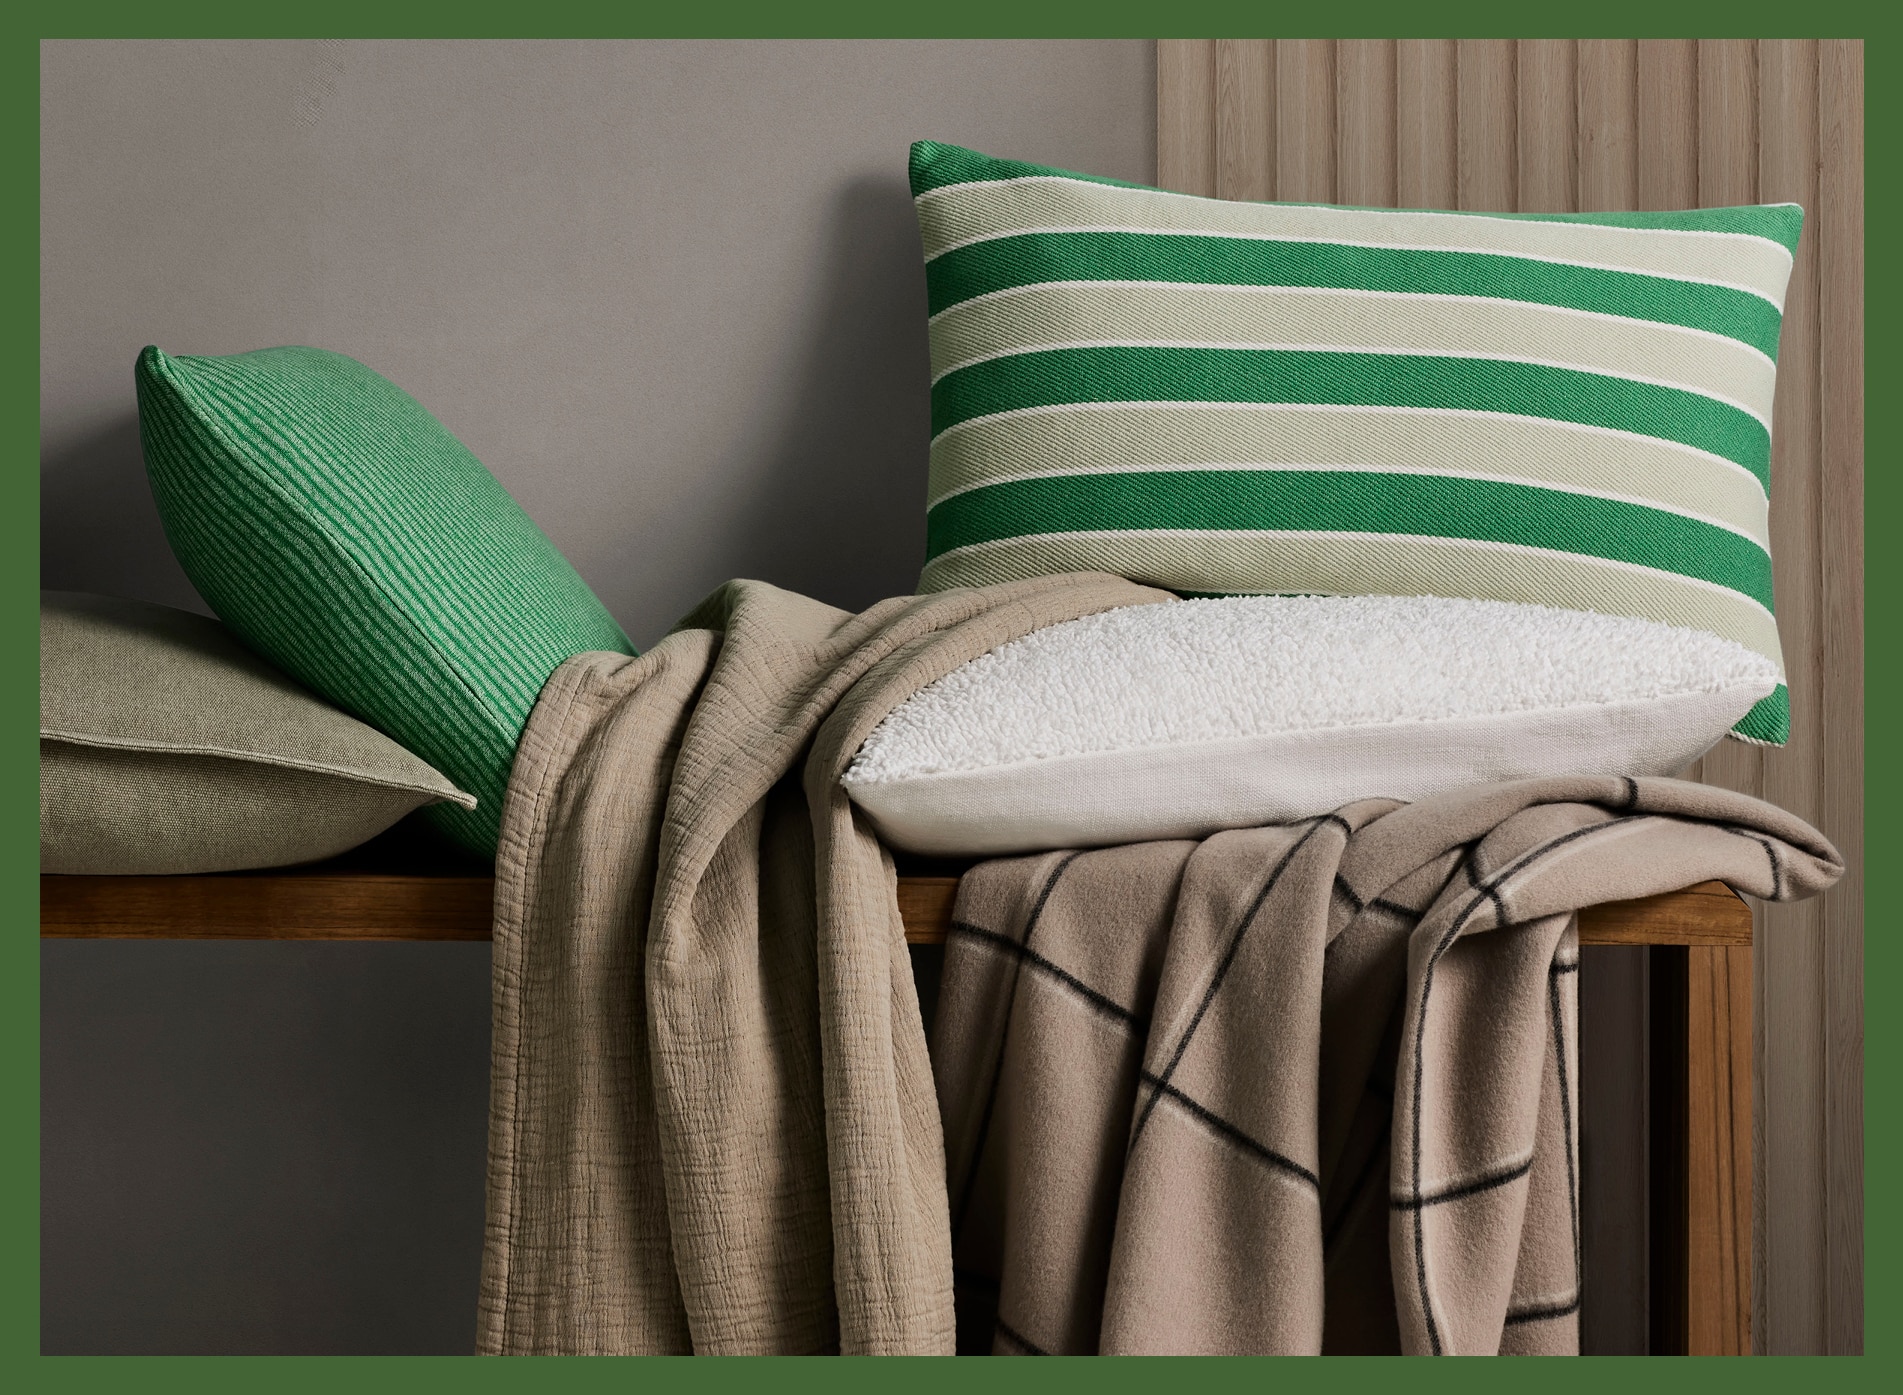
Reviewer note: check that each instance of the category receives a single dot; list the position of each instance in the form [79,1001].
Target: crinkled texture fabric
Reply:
[712,1122]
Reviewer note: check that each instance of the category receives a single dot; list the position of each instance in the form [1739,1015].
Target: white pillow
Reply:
[1177,720]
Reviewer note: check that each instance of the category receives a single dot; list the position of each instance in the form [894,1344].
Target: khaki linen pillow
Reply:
[167,746]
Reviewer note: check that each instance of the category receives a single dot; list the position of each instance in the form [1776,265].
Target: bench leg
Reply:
[1701,1151]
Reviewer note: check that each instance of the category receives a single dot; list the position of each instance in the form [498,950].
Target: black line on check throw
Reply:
[1229,1131]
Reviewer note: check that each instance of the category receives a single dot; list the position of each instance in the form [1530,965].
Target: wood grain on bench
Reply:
[355,905]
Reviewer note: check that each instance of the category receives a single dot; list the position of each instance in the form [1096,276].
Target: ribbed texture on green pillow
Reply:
[1224,398]
[342,532]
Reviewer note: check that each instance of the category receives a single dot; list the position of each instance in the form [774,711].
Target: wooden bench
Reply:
[1700,941]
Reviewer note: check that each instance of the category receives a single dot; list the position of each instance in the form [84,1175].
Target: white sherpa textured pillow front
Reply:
[1177,720]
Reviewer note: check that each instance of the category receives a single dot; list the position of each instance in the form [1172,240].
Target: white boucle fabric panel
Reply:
[1178,720]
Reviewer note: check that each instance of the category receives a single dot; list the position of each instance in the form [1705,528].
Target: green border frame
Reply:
[19,511]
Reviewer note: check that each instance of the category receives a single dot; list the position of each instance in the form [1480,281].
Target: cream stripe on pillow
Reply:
[976,211]
[1049,317]
[1572,410]
[1219,437]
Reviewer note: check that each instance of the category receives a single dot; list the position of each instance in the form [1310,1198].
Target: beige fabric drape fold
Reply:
[712,1120]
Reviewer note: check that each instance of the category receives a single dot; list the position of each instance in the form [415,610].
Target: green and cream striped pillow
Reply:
[342,532]
[1221,398]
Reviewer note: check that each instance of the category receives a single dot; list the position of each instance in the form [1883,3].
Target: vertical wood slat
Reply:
[1546,87]
[1667,123]
[1485,103]
[1186,115]
[1675,124]
[1791,952]
[1245,118]
[1727,121]
[1700,1152]
[1365,90]
[1608,119]
[1425,114]
[1839,249]
[1305,120]
[1718,1102]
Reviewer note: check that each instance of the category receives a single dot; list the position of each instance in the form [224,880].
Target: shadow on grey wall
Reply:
[838,509]
[99,529]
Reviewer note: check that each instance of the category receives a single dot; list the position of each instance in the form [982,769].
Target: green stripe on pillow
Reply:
[1349,501]
[1042,317]
[1029,259]
[1567,409]
[1221,436]
[987,210]
[1236,562]
[934,165]
[1320,377]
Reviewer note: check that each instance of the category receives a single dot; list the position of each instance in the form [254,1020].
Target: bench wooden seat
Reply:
[354,905]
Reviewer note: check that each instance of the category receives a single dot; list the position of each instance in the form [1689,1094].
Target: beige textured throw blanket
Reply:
[1305,1088]
[712,1122]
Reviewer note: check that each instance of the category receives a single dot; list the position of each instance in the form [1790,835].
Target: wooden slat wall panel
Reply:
[1186,116]
[1608,123]
[1791,953]
[1245,118]
[1364,122]
[1667,123]
[1305,120]
[1485,109]
[1726,151]
[1425,116]
[1727,120]
[1557,124]
[1547,91]
[1839,250]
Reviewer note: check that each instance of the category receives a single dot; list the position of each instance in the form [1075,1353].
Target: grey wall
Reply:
[670,293]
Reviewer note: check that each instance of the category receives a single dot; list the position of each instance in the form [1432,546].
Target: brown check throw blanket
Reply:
[1304,1088]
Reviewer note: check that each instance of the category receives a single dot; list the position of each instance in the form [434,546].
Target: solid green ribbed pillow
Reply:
[1571,410]
[344,534]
